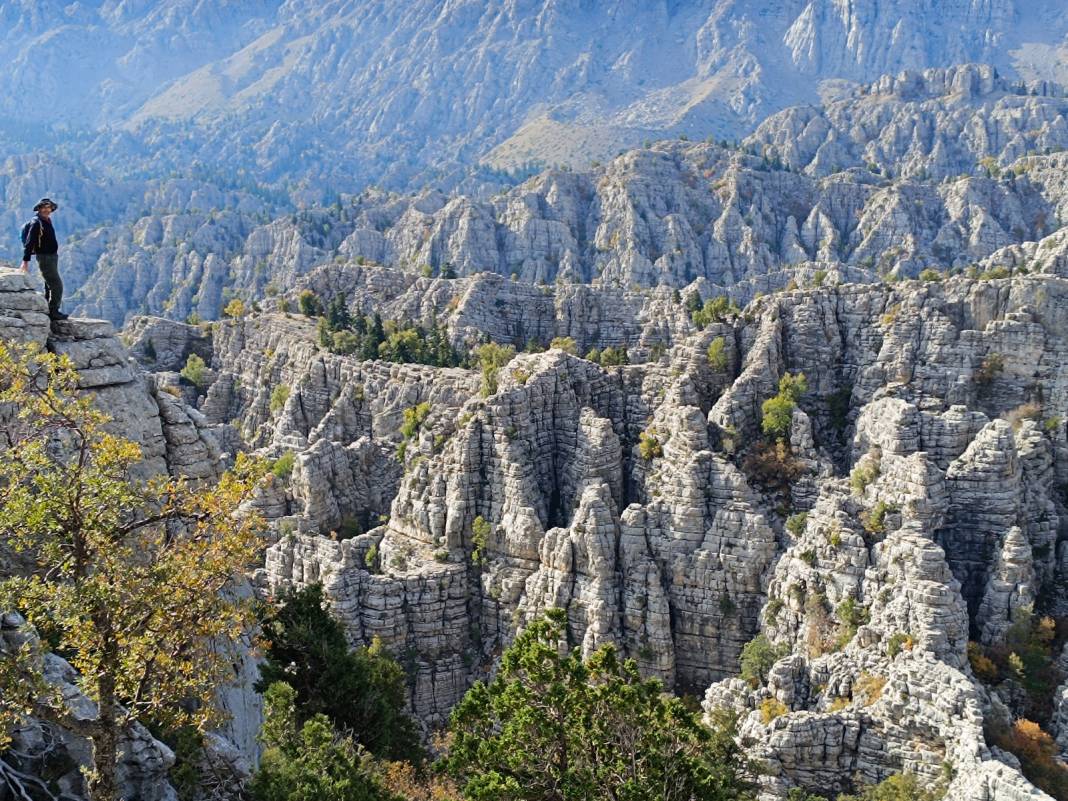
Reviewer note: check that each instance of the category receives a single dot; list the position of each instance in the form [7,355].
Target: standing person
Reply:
[39,237]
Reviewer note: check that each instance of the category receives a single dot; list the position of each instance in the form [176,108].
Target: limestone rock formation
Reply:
[694,217]
[915,508]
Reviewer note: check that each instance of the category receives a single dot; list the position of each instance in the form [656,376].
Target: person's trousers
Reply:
[49,266]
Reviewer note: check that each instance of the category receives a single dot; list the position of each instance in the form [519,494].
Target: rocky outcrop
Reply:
[972,118]
[25,312]
[921,508]
[742,221]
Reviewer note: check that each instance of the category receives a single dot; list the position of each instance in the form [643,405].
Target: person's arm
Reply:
[31,243]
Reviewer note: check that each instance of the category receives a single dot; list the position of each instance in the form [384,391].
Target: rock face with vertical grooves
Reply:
[922,509]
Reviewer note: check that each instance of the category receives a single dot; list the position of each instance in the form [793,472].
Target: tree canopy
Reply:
[309,761]
[361,691]
[552,727]
[132,575]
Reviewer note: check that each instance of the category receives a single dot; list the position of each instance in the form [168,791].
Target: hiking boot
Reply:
[58,315]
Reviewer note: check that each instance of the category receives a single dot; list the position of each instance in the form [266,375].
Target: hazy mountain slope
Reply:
[350,92]
[94,62]
[934,124]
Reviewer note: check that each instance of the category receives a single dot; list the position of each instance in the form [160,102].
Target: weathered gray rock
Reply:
[25,311]
[160,344]
[1009,589]
[628,497]
[970,112]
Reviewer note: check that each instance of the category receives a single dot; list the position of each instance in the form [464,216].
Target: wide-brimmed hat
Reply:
[45,201]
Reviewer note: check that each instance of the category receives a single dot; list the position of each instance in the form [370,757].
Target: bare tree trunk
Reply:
[104,784]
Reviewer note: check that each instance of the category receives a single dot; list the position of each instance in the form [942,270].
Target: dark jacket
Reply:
[41,239]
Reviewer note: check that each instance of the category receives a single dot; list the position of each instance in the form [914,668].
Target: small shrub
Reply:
[930,275]
[490,359]
[283,465]
[819,277]
[614,357]
[235,309]
[777,416]
[279,396]
[990,368]
[771,611]
[994,273]
[898,642]
[1025,411]
[875,520]
[195,371]
[714,310]
[649,445]
[778,410]
[414,417]
[758,656]
[851,616]
[771,708]
[371,556]
[808,557]
[861,477]
[717,354]
[566,344]
[480,531]
[819,636]
[795,524]
[726,605]
[350,527]
[773,464]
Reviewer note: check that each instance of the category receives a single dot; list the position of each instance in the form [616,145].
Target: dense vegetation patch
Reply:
[554,726]
[360,691]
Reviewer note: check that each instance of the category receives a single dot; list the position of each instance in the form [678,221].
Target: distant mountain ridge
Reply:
[943,169]
[348,93]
